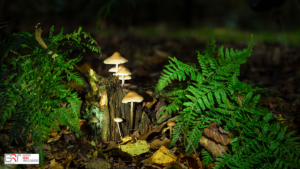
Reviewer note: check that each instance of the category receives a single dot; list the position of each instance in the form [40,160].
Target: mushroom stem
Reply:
[116,67]
[171,124]
[122,80]
[131,115]
[95,135]
[119,130]
[171,129]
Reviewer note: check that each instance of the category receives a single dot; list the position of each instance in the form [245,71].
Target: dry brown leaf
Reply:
[54,165]
[156,129]
[157,143]
[149,99]
[67,161]
[213,132]
[38,33]
[212,147]
[83,156]
[69,137]
[136,134]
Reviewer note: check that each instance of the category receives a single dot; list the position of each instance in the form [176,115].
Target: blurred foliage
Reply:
[220,19]
[230,14]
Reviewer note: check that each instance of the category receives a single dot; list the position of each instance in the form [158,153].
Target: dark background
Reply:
[93,15]
[146,32]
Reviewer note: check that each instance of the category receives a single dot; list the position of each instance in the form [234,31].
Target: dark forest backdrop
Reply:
[95,15]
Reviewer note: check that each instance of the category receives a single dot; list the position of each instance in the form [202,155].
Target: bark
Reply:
[107,94]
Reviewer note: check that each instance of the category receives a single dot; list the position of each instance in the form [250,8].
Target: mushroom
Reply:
[123,72]
[113,69]
[94,120]
[127,77]
[118,120]
[116,59]
[171,124]
[132,97]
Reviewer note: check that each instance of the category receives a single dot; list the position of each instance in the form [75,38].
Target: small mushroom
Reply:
[132,97]
[123,72]
[118,120]
[116,59]
[171,124]
[95,120]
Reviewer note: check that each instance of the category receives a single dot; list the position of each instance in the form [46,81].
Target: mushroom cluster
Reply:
[122,72]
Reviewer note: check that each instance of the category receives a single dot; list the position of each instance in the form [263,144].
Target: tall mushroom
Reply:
[132,97]
[171,124]
[118,120]
[95,120]
[123,72]
[116,59]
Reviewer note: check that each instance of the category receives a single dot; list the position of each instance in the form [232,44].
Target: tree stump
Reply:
[107,94]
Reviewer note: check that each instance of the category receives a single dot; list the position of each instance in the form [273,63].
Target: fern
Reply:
[207,158]
[33,90]
[215,94]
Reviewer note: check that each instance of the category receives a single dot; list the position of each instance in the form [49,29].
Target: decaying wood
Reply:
[107,94]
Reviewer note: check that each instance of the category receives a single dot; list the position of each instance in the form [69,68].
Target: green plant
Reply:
[34,84]
[207,158]
[214,93]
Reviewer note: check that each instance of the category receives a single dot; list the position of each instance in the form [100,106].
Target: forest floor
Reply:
[275,66]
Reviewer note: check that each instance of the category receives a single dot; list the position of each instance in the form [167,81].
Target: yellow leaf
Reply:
[140,147]
[162,156]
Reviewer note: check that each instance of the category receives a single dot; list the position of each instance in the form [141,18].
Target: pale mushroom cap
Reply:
[171,124]
[113,69]
[116,58]
[123,71]
[118,119]
[126,77]
[94,120]
[132,97]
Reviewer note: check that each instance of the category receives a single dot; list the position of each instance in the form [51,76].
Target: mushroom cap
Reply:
[118,119]
[132,97]
[113,69]
[94,119]
[171,124]
[123,71]
[116,58]
[126,77]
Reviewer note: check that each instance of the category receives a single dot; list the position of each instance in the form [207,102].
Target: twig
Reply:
[188,141]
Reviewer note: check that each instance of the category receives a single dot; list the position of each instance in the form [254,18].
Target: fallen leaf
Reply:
[98,164]
[156,144]
[140,147]
[149,99]
[54,165]
[156,129]
[212,147]
[213,132]
[162,156]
